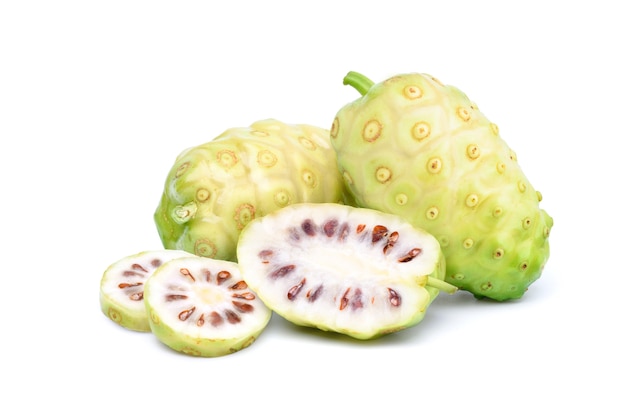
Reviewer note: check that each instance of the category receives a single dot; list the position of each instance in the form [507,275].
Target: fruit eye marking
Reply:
[412,92]
[494,129]
[266,158]
[181,170]
[434,165]
[526,223]
[383,174]
[471,200]
[227,158]
[432,213]
[420,131]
[309,178]
[414,252]
[473,152]
[244,214]
[498,253]
[521,186]
[202,195]
[334,129]
[463,113]
[307,143]
[205,248]
[372,130]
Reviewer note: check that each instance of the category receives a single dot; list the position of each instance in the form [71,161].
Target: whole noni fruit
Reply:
[214,189]
[420,149]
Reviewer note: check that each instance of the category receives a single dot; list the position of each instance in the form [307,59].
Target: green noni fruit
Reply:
[214,189]
[420,149]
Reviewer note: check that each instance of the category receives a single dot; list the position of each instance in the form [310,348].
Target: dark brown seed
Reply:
[129,285]
[132,273]
[360,228]
[215,319]
[138,267]
[185,272]
[343,232]
[308,227]
[185,314]
[391,241]
[357,302]
[265,256]
[243,307]
[171,298]
[232,317]
[207,275]
[343,303]
[200,321]
[239,286]
[410,255]
[293,233]
[136,296]
[223,276]
[312,295]
[330,227]
[245,296]
[394,297]
[378,233]
[282,271]
[156,263]
[294,290]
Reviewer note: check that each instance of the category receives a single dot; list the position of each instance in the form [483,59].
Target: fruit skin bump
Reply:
[214,189]
[423,150]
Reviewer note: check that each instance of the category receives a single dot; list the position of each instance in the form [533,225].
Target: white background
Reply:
[97,98]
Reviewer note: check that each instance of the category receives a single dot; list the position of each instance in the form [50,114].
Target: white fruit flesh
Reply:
[122,287]
[202,306]
[334,267]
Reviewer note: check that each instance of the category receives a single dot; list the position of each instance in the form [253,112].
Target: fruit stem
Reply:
[361,83]
[441,285]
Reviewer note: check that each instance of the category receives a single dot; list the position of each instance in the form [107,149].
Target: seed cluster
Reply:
[334,232]
[238,293]
[134,290]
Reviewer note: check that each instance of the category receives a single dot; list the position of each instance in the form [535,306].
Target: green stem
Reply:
[361,83]
[441,285]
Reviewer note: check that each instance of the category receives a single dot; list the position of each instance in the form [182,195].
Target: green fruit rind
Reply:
[214,189]
[123,303]
[321,266]
[183,295]
[420,149]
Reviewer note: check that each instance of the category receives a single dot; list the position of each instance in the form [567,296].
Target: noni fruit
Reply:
[214,189]
[420,149]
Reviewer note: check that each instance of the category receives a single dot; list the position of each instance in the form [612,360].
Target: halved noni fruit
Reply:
[354,271]
[202,307]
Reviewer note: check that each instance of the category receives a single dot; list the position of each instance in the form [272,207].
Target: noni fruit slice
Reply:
[122,287]
[339,268]
[214,189]
[420,149]
[202,307]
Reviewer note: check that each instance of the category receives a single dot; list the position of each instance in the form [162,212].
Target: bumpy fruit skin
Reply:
[214,189]
[420,149]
